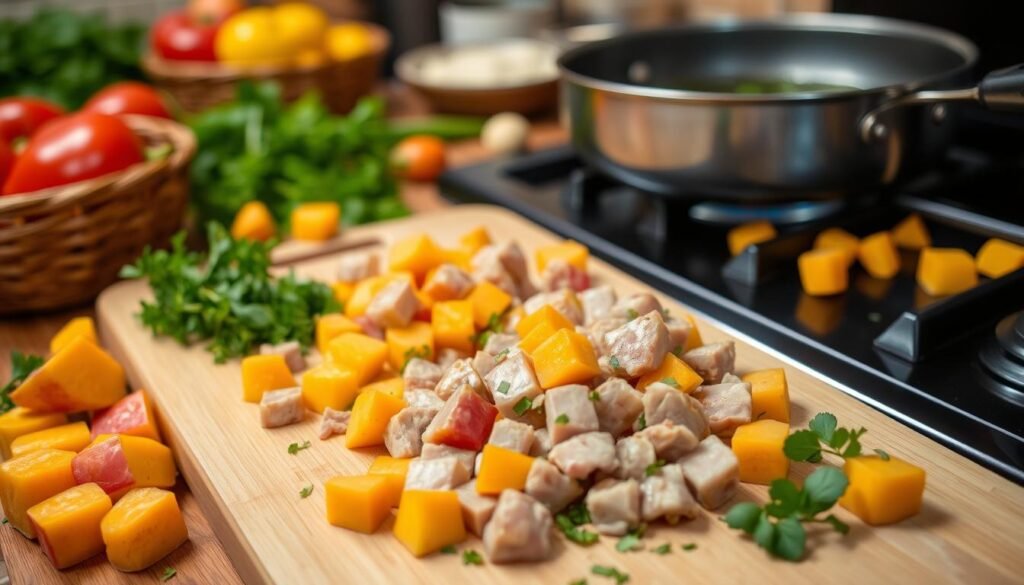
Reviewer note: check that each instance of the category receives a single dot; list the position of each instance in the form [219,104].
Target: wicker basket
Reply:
[60,247]
[197,86]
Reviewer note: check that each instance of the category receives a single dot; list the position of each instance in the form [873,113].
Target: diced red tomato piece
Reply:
[464,422]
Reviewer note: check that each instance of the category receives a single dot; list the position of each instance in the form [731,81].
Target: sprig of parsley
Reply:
[778,526]
[611,572]
[662,549]
[471,557]
[493,326]
[823,435]
[21,366]
[306,491]
[294,448]
[569,523]
[422,352]
[631,540]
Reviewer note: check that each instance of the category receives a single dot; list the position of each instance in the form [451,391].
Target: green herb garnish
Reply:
[493,326]
[641,421]
[502,355]
[294,448]
[677,350]
[448,549]
[471,557]
[421,352]
[654,468]
[613,361]
[594,396]
[632,314]
[522,406]
[168,574]
[21,366]
[612,572]
[670,381]
[882,454]
[631,541]
[569,523]
[503,387]
[807,445]
[306,491]
[562,419]
[4,521]
[662,549]
[690,546]
[578,582]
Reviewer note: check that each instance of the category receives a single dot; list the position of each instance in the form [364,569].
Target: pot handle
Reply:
[1001,90]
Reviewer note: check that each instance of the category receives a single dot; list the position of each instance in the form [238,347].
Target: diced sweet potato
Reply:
[332,325]
[342,292]
[474,239]
[452,323]
[882,492]
[261,373]
[769,394]
[674,372]
[415,254]
[118,463]
[565,358]
[68,524]
[429,520]
[143,527]
[748,234]
[132,415]
[315,221]
[838,238]
[359,502]
[81,376]
[77,327]
[253,222]
[487,300]
[391,386]
[363,355]
[502,469]
[538,335]
[758,446]
[370,416]
[30,479]
[70,437]
[395,469]
[20,421]
[329,386]
[405,343]
[998,258]
[545,314]
[825,271]
[574,253]
[878,256]
[911,233]
[694,340]
[946,271]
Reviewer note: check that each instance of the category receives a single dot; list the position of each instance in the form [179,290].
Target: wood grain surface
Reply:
[970,529]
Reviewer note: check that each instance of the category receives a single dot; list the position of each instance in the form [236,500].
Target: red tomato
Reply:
[72,149]
[23,116]
[420,158]
[127,97]
[6,160]
[177,37]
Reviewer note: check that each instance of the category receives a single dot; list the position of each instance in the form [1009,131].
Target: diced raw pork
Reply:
[447,356]
[550,487]
[726,405]
[671,441]
[634,454]
[712,472]
[665,403]
[664,494]
[420,374]
[635,305]
[614,505]
[541,443]
[512,380]
[491,261]
[465,421]
[636,348]
[422,398]
[559,274]
[281,407]
[618,406]
[291,351]
[334,422]
[519,530]
[443,473]
[356,267]
[712,361]
[512,435]
[467,457]
[597,303]
[596,331]
[584,454]
[493,272]
[395,305]
[370,327]
[570,412]
[483,362]
[678,334]
[563,301]
[403,435]
[461,373]
[499,342]
[449,282]
[476,509]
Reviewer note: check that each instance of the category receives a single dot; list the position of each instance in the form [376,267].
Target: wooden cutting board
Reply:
[971,528]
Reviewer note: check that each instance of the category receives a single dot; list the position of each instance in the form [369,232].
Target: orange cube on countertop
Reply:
[878,256]
[748,234]
[359,502]
[132,415]
[838,238]
[429,520]
[758,447]
[502,469]
[77,327]
[488,300]
[567,357]
[371,413]
[81,376]
[452,324]
[361,354]
[674,372]
[263,373]
[253,222]
[30,479]
[395,469]
[574,253]
[882,491]
[391,386]
[998,258]
[315,221]
[416,254]
[769,394]
[538,335]
[329,386]
[143,527]
[825,271]
[20,421]
[911,233]
[118,463]
[546,314]
[474,239]
[70,437]
[946,271]
[405,343]
[332,325]
[68,524]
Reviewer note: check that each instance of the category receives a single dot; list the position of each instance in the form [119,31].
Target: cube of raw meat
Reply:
[370,327]
[420,374]
[489,269]
[634,454]
[483,362]
[499,342]
[635,305]
[596,331]
[334,422]
[422,398]
[636,348]
[281,407]
[664,494]
[355,267]
[443,473]
[712,472]
[563,301]
[726,405]
[519,530]
[712,361]
[671,441]
[403,435]
[559,274]
[395,305]
[541,443]
[509,258]
[291,351]
[665,403]
[597,303]
[512,435]
[461,373]
[476,509]
[569,411]
[584,454]
[465,421]
[618,406]
[511,381]
[449,282]
[448,356]
[550,487]
[614,505]
[679,331]
[467,457]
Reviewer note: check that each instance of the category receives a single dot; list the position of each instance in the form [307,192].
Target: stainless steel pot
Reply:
[627,118]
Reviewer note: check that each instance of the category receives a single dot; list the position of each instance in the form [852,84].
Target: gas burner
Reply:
[729,214]
[1002,359]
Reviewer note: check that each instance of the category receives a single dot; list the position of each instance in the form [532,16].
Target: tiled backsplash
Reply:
[116,10]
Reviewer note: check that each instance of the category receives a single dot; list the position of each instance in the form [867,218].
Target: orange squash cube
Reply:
[693,340]
[262,373]
[565,358]
[342,291]
[748,234]
[460,257]
[769,394]
[360,502]
[363,293]
[332,325]
[315,222]
[474,239]
[502,469]
[81,376]
[882,492]
[143,527]
[911,233]
[946,271]
[415,254]
[674,372]
[825,271]
[878,256]
[68,524]
[574,254]
[371,413]
[132,415]
[452,323]
[998,258]
[405,343]
[391,386]
[838,238]
[487,300]
[429,520]
[118,463]
[253,222]
[545,314]
[27,480]
[329,386]
[541,333]
[77,327]
[395,469]
[69,437]
[20,421]
[362,354]
[758,447]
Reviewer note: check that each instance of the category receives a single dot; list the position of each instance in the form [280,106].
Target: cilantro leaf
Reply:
[573,532]
[790,538]
[594,396]
[578,514]
[641,421]
[823,424]
[764,533]
[690,546]
[306,491]
[628,542]
[500,357]
[168,574]
[448,549]
[632,314]
[613,361]
[421,352]
[294,448]
[743,516]
[471,557]
[562,419]
[882,454]
[611,572]
[785,498]
[802,446]
[823,487]
[654,468]
[21,366]
[663,549]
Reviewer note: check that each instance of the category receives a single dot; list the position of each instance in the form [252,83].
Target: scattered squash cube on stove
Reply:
[81,376]
[488,300]
[405,343]
[416,254]
[118,463]
[132,415]
[574,253]
[261,373]
[474,239]
[502,469]
[143,527]
[68,524]
[758,447]
[674,372]
[429,520]
[838,238]
[27,480]
[20,421]
[882,491]
[395,469]
[769,394]
[77,327]
[359,502]
[452,323]
[545,314]
[824,272]
[70,437]
[362,354]
[253,222]
[946,271]
[748,234]
[329,386]
[332,325]
[567,357]
[998,258]
[911,233]
[316,221]
[371,413]
[394,386]
[878,256]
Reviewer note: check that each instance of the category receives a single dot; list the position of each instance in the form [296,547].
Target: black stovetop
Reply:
[887,343]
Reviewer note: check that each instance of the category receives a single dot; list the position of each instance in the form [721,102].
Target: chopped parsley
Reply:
[632,314]
[670,381]
[882,454]
[569,523]
[594,396]
[654,468]
[614,362]
[677,350]
[5,521]
[662,549]
[306,491]
[168,574]
[562,419]
[690,546]
[611,572]
[504,387]
[448,549]
[422,352]
[294,448]
[471,557]
[578,582]
[641,422]
[493,326]
[502,355]
[522,406]
[631,541]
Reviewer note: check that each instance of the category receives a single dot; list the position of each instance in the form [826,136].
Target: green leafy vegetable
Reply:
[502,355]
[641,422]
[21,366]
[578,582]
[306,491]
[4,521]
[471,557]
[613,361]
[690,546]
[629,542]
[677,350]
[422,352]
[168,574]
[882,454]
[823,436]
[662,549]
[612,572]
[493,326]
[294,448]
[632,314]
[569,523]
[654,468]
[503,387]
[448,549]
[522,406]
[562,419]
[594,396]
